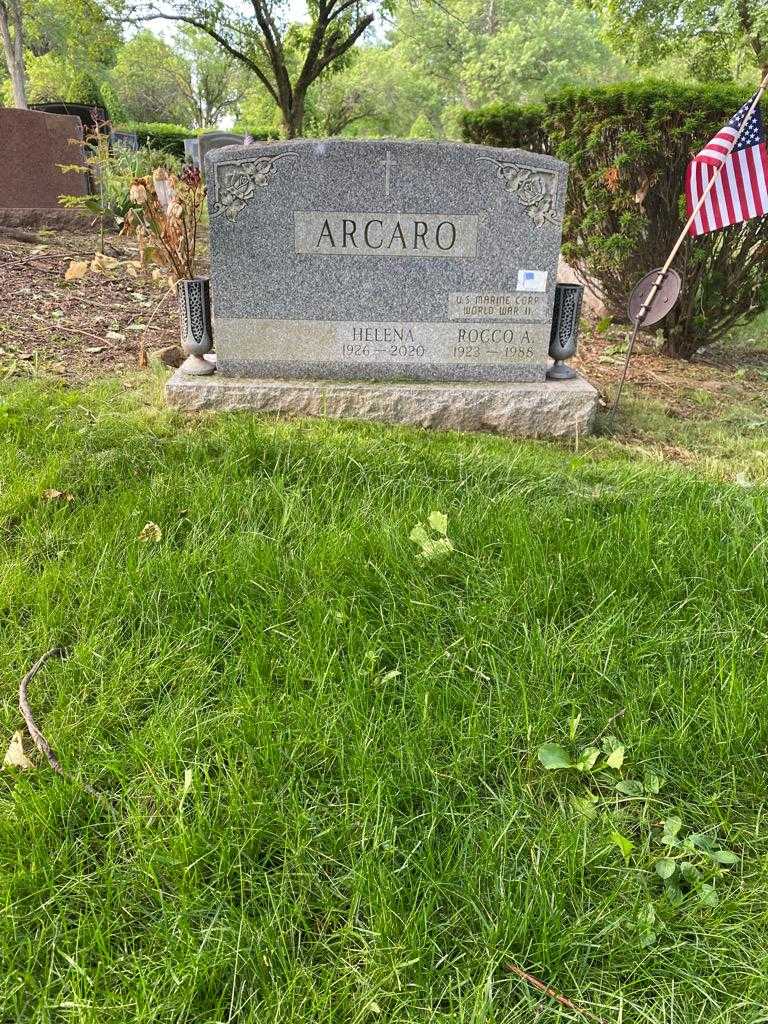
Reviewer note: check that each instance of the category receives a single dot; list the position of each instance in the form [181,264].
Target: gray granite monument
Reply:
[424,269]
[209,142]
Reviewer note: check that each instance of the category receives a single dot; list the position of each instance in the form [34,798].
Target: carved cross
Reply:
[388,163]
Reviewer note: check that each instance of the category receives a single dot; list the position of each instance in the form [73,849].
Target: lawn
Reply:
[318,750]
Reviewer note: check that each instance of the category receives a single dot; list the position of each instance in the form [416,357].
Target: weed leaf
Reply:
[708,895]
[587,759]
[724,857]
[585,806]
[625,845]
[552,755]
[616,758]
[439,523]
[672,826]
[630,787]
[665,867]
[653,782]
[431,548]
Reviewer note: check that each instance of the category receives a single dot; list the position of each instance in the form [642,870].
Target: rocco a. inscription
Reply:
[383,260]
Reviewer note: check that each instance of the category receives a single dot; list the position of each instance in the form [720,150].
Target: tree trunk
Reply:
[293,119]
[13,46]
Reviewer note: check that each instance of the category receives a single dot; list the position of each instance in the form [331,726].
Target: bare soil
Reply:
[78,329]
[97,325]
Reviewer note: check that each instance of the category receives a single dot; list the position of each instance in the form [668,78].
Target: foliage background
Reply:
[627,147]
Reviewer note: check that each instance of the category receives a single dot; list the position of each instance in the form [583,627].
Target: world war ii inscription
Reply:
[384,260]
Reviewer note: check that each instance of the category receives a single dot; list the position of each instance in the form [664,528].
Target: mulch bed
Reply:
[97,325]
[79,329]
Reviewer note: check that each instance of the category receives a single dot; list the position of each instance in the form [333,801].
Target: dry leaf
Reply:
[76,270]
[114,336]
[151,532]
[611,179]
[15,755]
[95,349]
[103,264]
[53,495]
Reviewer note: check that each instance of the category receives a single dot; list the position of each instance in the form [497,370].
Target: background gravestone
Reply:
[192,152]
[124,140]
[33,145]
[210,141]
[384,260]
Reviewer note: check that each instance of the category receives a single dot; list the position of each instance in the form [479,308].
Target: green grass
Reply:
[369,835]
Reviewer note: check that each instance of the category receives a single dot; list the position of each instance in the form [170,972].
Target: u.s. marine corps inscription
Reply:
[384,260]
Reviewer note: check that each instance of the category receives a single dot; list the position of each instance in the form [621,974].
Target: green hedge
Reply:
[502,124]
[170,137]
[167,137]
[257,134]
[627,147]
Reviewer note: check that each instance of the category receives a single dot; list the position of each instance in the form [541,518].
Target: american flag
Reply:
[741,191]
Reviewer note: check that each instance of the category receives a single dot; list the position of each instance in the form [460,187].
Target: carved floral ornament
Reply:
[238,183]
[534,188]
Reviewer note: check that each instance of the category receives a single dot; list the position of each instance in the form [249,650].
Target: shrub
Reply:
[257,134]
[502,124]
[628,147]
[166,137]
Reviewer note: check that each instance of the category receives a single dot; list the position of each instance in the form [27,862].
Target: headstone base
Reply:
[56,217]
[541,409]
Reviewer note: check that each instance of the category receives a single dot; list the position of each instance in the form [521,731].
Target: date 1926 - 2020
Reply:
[419,351]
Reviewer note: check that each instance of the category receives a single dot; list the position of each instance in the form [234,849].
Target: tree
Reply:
[13,48]
[377,94]
[68,48]
[215,83]
[286,59]
[485,50]
[422,128]
[712,38]
[150,81]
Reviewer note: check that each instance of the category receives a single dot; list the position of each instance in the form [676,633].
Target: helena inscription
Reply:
[384,260]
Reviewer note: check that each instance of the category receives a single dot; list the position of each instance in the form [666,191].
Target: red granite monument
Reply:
[32,145]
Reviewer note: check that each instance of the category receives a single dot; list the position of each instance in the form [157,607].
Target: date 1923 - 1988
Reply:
[507,352]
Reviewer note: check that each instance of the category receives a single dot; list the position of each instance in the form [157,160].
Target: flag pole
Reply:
[643,311]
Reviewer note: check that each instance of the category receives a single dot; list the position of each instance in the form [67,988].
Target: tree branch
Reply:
[217,36]
[338,51]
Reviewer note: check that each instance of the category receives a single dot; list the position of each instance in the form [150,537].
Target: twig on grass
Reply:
[57,326]
[143,361]
[619,714]
[40,741]
[43,256]
[549,991]
[20,236]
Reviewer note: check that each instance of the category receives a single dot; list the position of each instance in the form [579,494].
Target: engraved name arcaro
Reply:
[385,234]
[534,188]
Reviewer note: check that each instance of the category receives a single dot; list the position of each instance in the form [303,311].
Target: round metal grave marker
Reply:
[663,301]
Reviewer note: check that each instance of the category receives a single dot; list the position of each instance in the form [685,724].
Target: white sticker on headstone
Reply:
[532,280]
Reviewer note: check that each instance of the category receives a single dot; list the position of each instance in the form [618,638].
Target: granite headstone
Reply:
[34,144]
[124,140]
[211,141]
[192,152]
[384,260]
